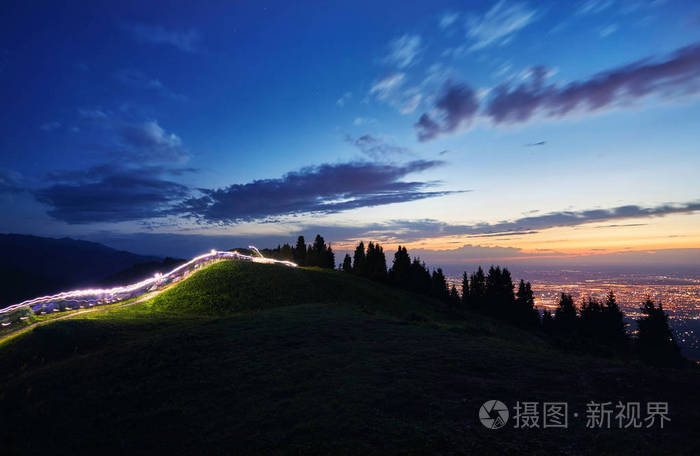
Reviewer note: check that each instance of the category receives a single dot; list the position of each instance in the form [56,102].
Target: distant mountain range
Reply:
[31,266]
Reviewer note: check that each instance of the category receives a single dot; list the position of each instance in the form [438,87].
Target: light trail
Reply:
[95,296]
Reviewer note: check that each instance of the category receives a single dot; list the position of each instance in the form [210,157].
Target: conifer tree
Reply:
[317,253]
[286,253]
[439,288]
[525,312]
[400,269]
[614,323]
[300,252]
[506,295]
[547,322]
[359,260]
[369,259]
[477,289]
[380,272]
[493,289]
[376,262]
[310,256]
[421,281]
[330,258]
[466,304]
[347,263]
[591,319]
[655,342]
[454,297]
[499,298]
[565,316]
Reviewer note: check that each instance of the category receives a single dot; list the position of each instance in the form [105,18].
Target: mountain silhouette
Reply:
[31,265]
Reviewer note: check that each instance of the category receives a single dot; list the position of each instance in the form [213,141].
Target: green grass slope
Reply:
[261,359]
[229,287]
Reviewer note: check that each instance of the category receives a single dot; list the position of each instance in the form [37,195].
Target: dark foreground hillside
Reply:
[259,359]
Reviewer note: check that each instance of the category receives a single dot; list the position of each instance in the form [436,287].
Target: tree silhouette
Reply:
[399,274]
[329,258]
[565,316]
[454,297]
[525,313]
[359,264]
[300,252]
[317,254]
[602,328]
[376,262]
[614,324]
[466,304]
[281,252]
[477,289]
[499,293]
[420,279]
[438,287]
[310,260]
[591,322]
[347,263]
[655,342]
[547,322]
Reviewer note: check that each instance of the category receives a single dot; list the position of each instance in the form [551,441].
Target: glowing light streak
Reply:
[92,296]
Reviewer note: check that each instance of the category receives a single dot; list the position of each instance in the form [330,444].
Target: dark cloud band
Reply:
[110,193]
[676,75]
[321,189]
[414,230]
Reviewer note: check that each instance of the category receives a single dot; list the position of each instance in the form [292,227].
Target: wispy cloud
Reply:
[410,101]
[448,18]
[390,89]
[340,102]
[187,41]
[404,51]
[149,142]
[50,126]
[360,121]
[137,79]
[385,87]
[92,114]
[498,24]
[320,189]
[594,6]
[10,182]
[377,148]
[502,70]
[607,30]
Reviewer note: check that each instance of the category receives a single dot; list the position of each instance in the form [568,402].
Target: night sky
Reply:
[467,130]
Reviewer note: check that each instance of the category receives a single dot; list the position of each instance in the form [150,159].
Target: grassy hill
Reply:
[253,358]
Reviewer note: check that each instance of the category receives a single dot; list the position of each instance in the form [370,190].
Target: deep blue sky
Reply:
[564,129]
